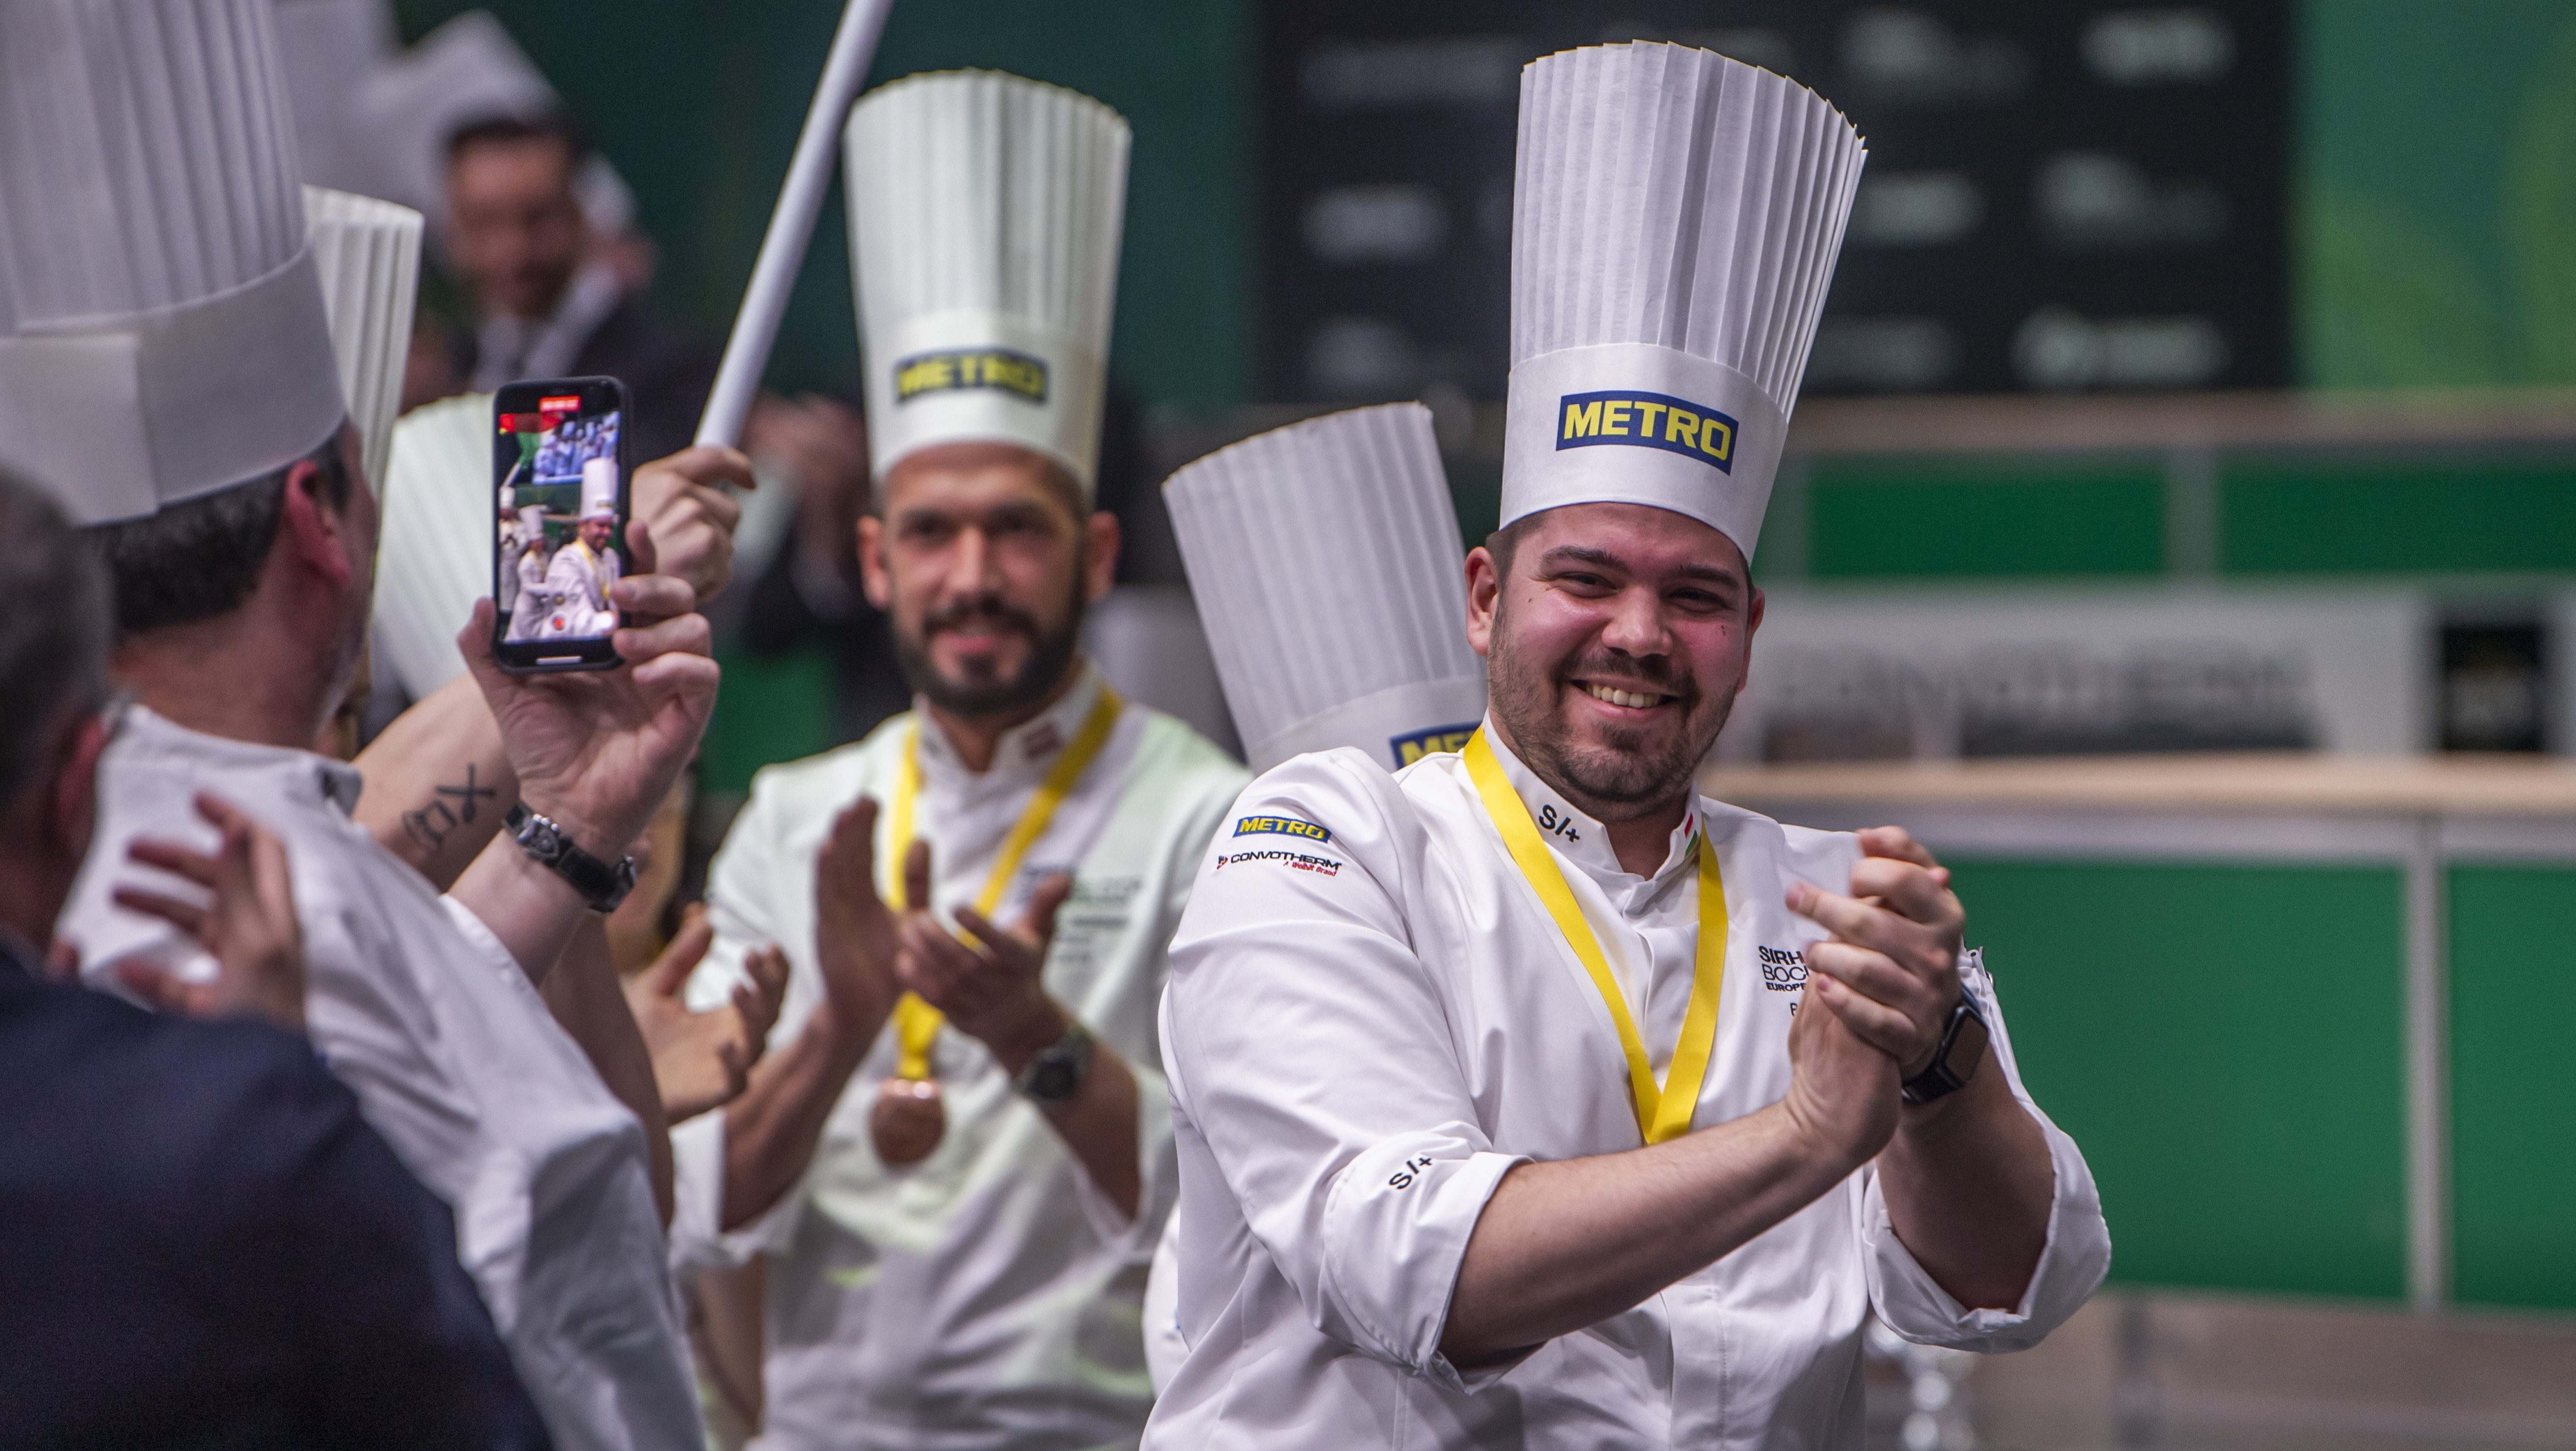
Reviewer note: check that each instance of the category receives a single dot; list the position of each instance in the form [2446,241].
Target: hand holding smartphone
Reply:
[559,471]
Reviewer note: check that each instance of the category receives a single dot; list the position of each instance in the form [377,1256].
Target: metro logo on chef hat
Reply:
[367,253]
[1326,563]
[162,332]
[1675,220]
[985,213]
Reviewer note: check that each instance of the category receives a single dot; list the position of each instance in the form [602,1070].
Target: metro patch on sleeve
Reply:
[1280,826]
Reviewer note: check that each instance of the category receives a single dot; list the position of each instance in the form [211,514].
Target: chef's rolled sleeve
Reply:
[1304,1040]
[2071,1266]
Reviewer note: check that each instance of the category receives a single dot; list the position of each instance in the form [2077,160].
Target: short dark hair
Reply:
[560,129]
[53,632]
[201,559]
[1506,541]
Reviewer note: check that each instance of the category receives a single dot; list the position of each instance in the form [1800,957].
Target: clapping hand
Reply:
[702,1060]
[1890,969]
[248,926]
[854,930]
[989,986]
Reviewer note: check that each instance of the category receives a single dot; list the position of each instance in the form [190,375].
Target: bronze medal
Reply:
[907,1120]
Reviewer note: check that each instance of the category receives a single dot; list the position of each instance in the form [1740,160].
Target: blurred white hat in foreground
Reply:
[1327,565]
[162,333]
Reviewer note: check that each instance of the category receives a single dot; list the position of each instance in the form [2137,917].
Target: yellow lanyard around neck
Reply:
[916,1022]
[1662,1112]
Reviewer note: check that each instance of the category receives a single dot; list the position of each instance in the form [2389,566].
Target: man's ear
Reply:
[1484,597]
[71,806]
[872,570]
[313,529]
[1100,540]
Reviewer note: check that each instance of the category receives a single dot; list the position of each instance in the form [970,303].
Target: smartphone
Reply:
[559,474]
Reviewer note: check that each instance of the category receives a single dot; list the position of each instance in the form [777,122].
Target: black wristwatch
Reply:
[1963,1046]
[1056,1074]
[600,884]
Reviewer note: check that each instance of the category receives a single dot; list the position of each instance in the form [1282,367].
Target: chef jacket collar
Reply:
[1025,750]
[1581,838]
[301,776]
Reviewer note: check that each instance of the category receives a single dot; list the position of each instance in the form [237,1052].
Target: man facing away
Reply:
[207,1245]
[1495,1131]
[956,1171]
[239,530]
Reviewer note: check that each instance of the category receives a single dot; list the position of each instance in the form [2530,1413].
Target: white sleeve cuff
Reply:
[2071,1265]
[1396,1226]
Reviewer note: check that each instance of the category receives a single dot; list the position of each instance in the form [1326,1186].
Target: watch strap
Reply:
[1056,1074]
[601,884]
[1943,1076]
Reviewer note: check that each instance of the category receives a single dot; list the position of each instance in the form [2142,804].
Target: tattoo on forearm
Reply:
[449,808]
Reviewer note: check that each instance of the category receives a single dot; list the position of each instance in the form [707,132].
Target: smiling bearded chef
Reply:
[1526,1097]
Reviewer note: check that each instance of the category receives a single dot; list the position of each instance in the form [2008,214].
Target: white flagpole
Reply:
[782,250]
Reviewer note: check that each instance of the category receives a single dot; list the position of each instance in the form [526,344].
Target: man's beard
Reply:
[1050,655]
[1637,769]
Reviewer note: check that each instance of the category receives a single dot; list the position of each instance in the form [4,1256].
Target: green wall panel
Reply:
[1924,520]
[771,708]
[2314,519]
[2224,1043]
[2513,1085]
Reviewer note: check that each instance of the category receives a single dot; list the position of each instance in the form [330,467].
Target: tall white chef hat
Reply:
[598,488]
[1674,225]
[162,335]
[368,255]
[1327,565]
[984,222]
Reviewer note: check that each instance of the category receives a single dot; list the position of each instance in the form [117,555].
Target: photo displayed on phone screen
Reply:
[561,516]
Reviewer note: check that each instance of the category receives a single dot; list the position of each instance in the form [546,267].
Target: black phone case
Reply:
[608,658]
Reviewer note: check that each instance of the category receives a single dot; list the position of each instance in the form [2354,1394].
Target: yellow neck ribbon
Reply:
[1662,1112]
[916,1022]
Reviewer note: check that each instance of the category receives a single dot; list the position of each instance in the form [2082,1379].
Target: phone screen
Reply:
[560,520]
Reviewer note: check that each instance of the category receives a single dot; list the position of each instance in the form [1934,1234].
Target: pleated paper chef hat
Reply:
[1327,567]
[1675,221]
[598,488]
[162,334]
[984,222]
[367,253]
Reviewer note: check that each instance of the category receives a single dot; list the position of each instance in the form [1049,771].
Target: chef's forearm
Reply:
[771,1130]
[586,998]
[438,782]
[1968,1184]
[1568,1244]
[1099,1122]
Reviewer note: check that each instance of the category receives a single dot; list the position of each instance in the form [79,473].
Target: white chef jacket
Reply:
[455,1060]
[989,1295]
[1363,1033]
[577,583]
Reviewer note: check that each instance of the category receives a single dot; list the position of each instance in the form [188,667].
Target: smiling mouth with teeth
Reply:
[1633,699]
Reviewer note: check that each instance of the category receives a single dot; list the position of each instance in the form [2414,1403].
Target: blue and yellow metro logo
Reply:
[1000,369]
[1280,826]
[1648,420]
[1415,745]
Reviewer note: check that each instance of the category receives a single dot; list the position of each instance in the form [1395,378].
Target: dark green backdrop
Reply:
[699,103]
